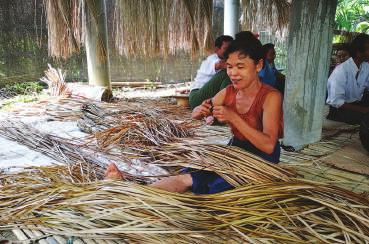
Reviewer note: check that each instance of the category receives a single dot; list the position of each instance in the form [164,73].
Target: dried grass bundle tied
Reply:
[288,212]
[55,79]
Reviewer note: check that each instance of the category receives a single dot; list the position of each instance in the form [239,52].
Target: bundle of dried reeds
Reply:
[132,126]
[55,79]
[288,212]
[151,28]
[244,166]
[235,165]
[61,149]
[142,131]
[267,15]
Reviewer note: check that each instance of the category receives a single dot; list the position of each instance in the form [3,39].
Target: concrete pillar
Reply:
[97,44]
[231,17]
[309,49]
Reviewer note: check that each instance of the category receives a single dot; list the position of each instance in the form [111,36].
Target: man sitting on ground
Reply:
[347,85]
[210,66]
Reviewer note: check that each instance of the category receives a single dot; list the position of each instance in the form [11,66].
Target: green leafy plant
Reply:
[24,88]
[350,13]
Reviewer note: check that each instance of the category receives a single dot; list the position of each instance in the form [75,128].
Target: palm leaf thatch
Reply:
[288,212]
[64,24]
[269,15]
[151,28]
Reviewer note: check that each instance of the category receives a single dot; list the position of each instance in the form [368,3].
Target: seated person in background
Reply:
[269,74]
[347,85]
[342,54]
[210,66]
[252,109]
[220,80]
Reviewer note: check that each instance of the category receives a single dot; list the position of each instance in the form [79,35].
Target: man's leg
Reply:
[218,82]
[178,183]
[345,115]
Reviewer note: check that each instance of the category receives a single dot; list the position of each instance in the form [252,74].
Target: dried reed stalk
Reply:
[244,166]
[288,212]
[132,126]
[235,165]
[55,79]
[65,150]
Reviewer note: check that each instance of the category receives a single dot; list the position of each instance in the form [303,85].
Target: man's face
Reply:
[220,51]
[270,56]
[342,56]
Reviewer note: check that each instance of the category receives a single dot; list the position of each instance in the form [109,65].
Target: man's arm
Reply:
[221,64]
[336,88]
[355,107]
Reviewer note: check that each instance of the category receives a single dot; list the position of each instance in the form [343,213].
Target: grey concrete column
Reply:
[231,17]
[97,44]
[309,49]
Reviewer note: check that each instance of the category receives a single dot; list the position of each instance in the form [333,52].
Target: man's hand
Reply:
[223,114]
[202,110]
[221,64]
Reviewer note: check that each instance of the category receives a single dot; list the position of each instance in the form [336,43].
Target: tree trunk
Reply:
[97,44]
[309,49]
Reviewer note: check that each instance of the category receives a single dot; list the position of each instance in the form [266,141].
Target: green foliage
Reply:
[362,27]
[24,88]
[350,13]
[7,104]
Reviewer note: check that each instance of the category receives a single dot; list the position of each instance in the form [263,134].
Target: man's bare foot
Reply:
[113,173]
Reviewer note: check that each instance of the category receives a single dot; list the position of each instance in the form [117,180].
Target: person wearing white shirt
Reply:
[348,84]
[209,67]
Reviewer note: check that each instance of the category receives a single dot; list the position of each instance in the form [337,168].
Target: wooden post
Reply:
[309,49]
[231,17]
[97,44]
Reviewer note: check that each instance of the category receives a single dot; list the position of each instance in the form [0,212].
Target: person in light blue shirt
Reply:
[269,74]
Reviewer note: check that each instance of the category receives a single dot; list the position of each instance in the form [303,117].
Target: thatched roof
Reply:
[65,28]
[266,15]
[157,27]
[148,27]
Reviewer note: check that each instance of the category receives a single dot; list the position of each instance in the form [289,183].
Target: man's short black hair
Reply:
[267,47]
[223,38]
[245,35]
[251,48]
[344,46]
[358,44]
